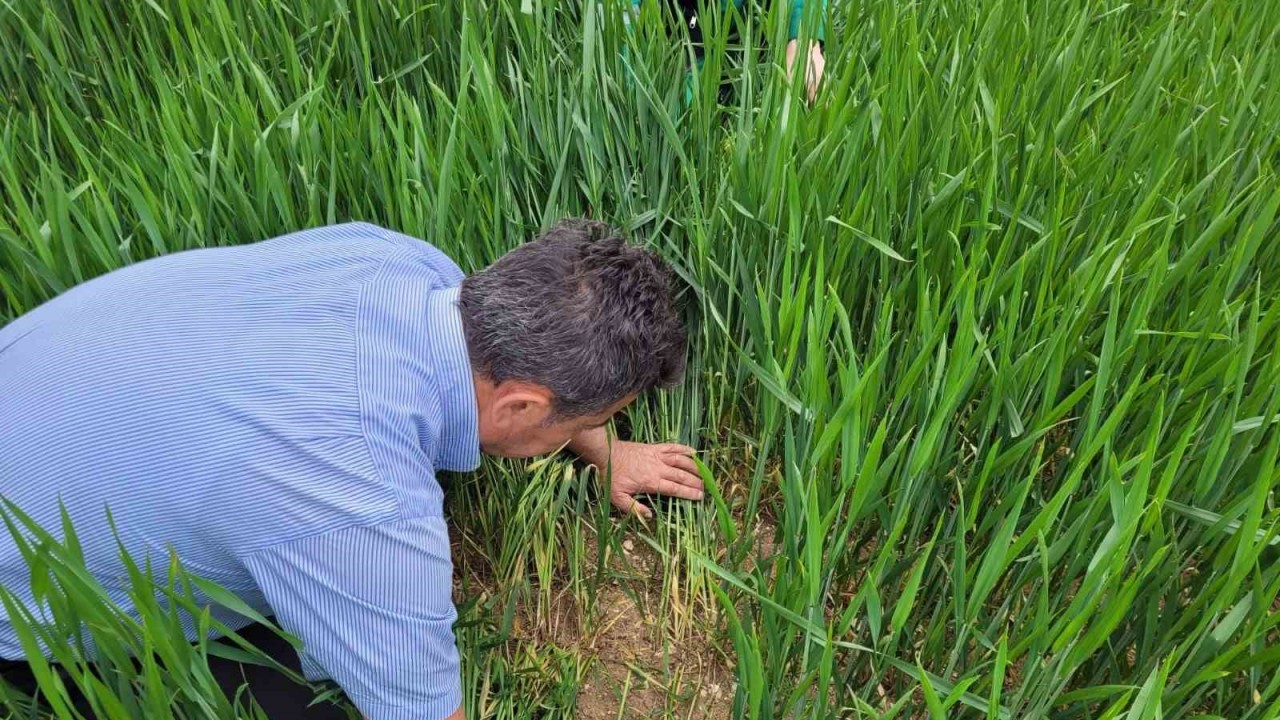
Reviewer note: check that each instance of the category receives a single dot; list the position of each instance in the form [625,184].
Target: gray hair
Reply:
[580,312]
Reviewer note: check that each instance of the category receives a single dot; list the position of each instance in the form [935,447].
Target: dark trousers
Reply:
[280,697]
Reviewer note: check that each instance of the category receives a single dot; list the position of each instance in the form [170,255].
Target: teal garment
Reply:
[793,25]
[797,14]
[795,17]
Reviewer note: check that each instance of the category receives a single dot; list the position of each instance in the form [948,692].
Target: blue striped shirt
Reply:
[275,413]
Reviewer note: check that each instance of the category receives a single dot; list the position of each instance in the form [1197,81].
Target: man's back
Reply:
[215,401]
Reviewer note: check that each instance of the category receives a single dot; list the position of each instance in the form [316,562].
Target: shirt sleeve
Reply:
[373,608]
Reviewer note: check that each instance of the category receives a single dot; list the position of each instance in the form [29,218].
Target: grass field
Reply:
[986,344]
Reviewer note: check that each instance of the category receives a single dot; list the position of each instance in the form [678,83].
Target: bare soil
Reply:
[632,676]
[637,668]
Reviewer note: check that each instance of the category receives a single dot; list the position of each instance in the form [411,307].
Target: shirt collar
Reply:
[459,445]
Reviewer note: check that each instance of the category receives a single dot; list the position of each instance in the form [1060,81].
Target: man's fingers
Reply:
[678,490]
[683,462]
[640,510]
[687,479]
[676,449]
[629,505]
[684,477]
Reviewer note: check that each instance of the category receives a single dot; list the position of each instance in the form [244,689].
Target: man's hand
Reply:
[639,468]
[816,65]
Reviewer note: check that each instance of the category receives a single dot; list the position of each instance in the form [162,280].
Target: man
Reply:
[813,59]
[277,413]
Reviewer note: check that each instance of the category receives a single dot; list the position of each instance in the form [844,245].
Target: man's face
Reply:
[516,420]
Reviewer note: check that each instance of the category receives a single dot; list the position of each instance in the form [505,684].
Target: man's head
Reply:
[563,332]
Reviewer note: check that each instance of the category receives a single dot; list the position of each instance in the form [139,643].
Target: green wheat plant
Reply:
[124,664]
[985,342]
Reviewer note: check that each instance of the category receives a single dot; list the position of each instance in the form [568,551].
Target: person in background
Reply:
[812,56]
[277,412]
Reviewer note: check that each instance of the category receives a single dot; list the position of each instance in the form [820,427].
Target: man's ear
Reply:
[520,404]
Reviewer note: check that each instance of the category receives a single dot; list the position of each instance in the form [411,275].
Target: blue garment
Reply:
[276,413]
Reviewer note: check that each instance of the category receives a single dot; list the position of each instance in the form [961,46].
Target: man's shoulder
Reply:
[410,250]
[414,377]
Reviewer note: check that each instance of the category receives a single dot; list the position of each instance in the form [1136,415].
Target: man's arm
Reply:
[457,715]
[634,469]
[373,607]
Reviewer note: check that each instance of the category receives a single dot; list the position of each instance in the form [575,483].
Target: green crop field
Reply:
[985,369]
